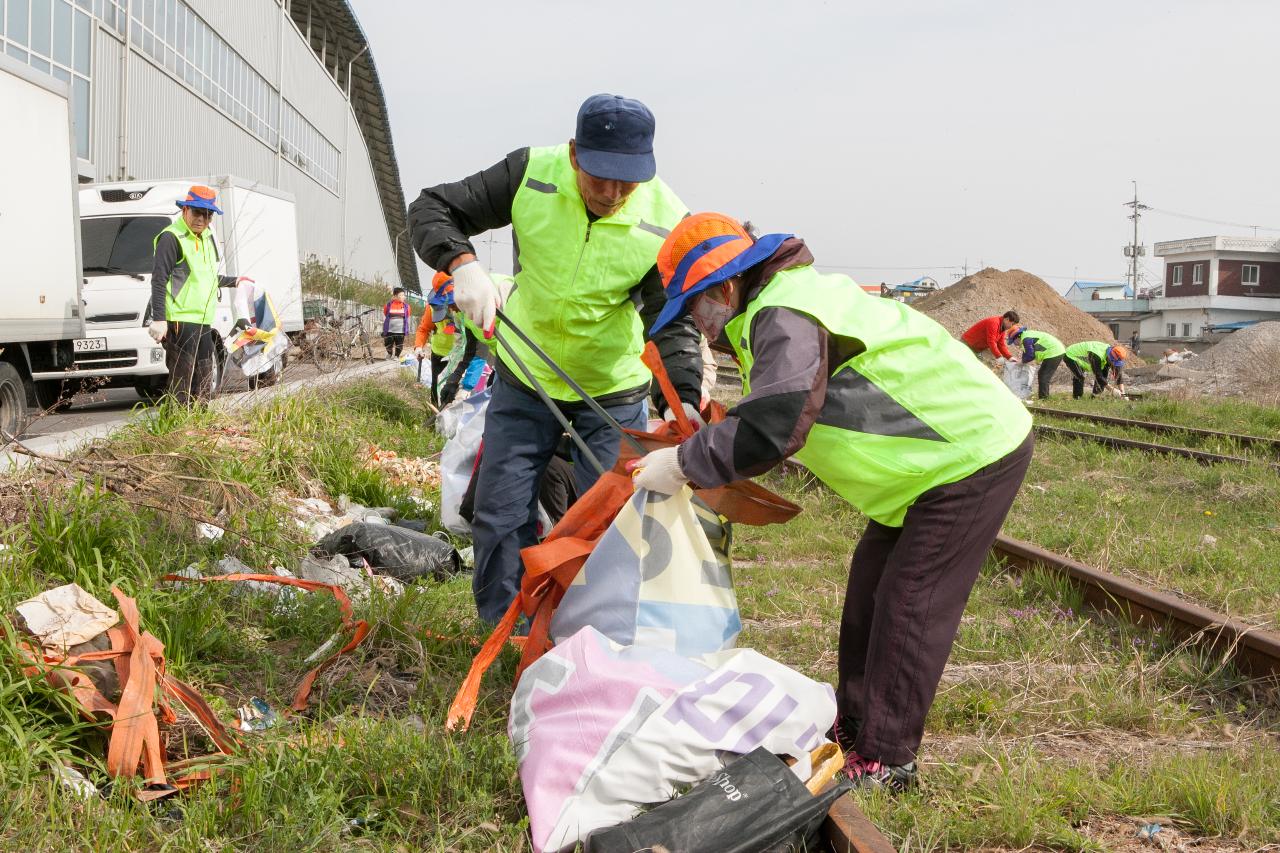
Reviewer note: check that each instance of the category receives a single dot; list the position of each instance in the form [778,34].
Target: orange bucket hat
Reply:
[702,250]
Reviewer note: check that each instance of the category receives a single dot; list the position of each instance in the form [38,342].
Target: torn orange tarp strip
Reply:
[359,628]
[653,360]
[135,735]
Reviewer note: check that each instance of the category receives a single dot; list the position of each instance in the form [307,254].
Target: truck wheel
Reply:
[54,395]
[13,402]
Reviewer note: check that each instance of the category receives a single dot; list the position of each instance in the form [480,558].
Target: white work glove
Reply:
[417,351]
[157,330]
[689,409]
[475,294]
[660,472]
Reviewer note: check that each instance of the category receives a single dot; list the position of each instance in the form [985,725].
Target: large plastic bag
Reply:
[755,803]
[1017,376]
[405,555]
[654,579]
[458,459]
[601,730]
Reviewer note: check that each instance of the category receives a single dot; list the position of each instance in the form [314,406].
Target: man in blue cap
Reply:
[184,295]
[588,217]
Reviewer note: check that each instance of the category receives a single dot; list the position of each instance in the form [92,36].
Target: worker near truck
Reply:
[184,295]
[439,330]
[588,219]
[396,317]
[1042,348]
[1099,359]
[990,334]
[887,409]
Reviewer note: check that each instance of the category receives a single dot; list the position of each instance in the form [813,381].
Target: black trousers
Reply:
[394,344]
[188,354]
[1048,367]
[1077,380]
[908,587]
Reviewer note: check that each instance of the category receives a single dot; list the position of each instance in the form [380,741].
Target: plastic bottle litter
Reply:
[256,716]
[74,781]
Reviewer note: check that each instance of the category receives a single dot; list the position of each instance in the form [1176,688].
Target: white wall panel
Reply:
[251,27]
[369,247]
[312,91]
[104,137]
[173,133]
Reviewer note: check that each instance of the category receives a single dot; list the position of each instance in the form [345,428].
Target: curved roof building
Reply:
[281,92]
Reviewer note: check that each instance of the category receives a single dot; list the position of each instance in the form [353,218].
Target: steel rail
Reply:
[847,830]
[1254,651]
[1132,444]
[1272,444]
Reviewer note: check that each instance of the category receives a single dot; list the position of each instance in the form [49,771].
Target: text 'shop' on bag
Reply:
[601,730]
[656,579]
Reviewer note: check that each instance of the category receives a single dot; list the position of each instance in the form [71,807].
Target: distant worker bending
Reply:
[989,334]
[1099,359]
[1039,347]
[184,295]
[887,409]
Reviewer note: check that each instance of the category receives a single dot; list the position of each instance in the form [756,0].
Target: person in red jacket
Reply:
[989,334]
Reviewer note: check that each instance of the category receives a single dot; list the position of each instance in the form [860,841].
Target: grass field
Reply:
[1052,730]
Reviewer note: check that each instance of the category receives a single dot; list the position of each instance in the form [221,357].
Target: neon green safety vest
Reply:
[574,277]
[1044,344]
[191,294]
[1079,353]
[912,411]
[441,340]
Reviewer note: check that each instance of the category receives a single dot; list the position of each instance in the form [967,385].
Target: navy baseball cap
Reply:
[614,140]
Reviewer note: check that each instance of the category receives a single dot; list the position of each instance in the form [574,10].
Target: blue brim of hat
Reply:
[761,249]
[438,312]
[613,166]
[203,205]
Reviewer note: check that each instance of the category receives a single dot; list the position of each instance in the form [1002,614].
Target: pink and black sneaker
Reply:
[868,774]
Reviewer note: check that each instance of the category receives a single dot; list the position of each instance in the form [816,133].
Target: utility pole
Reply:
[1135,250]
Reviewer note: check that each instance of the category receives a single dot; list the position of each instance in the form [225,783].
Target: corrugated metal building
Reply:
[284,92]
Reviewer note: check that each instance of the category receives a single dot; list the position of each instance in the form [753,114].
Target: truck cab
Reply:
[256,236]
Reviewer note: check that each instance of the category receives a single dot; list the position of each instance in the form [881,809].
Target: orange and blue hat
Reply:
[1117,355]
[441,295]
[201,197]
[702,250]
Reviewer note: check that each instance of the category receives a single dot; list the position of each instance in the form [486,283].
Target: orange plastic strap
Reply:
[359,628]
[464,703]
[653,360]
[135,735]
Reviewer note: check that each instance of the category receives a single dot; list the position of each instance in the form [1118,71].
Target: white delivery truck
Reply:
[257,236]
[40,323]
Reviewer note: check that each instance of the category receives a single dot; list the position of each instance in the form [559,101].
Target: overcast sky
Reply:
[898,138]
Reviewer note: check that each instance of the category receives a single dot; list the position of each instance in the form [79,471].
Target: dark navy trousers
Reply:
[520,437]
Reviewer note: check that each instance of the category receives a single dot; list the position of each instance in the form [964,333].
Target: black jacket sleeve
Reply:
[442,217]
[167,253]
[677,342]
[1100,368]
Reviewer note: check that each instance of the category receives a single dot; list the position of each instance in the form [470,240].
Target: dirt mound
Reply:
[1253,350]
[1245,363]
[992,291]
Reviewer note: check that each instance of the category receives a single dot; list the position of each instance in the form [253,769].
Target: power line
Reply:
[912,267]
[1211,221]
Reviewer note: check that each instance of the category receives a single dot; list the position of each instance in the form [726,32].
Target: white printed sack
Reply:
[464,428]
[654,579]
[601,730]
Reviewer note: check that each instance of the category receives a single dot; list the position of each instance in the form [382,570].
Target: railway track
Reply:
[847,830]
[1253,651]
[1132,444]
[1270,444]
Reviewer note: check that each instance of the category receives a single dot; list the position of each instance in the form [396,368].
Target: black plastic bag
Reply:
[405,555]
[754,805]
